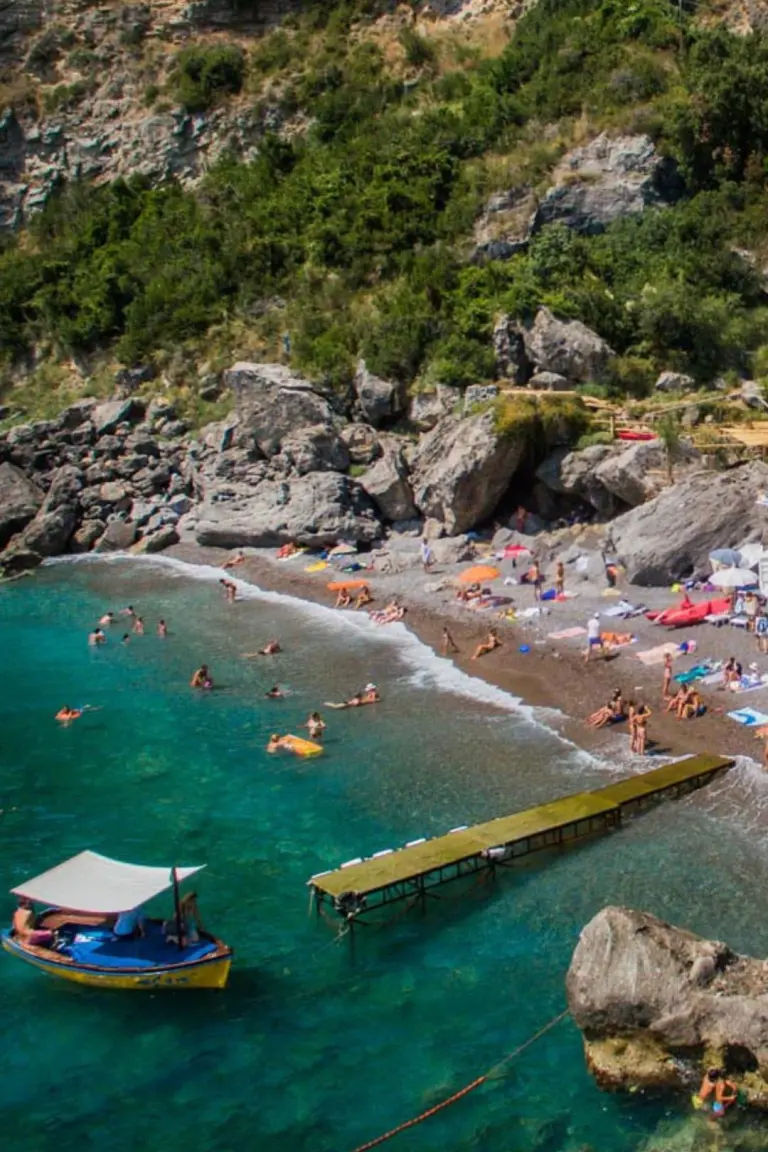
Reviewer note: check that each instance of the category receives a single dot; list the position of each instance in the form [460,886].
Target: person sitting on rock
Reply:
[716,1092]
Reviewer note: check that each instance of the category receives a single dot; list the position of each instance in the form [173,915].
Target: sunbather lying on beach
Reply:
[390,614]
[610,713]
[489,645]
[234,561]
[731,673]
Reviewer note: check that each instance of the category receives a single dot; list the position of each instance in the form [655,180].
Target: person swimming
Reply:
[138,626]
[275,743]
[202,678]
[107,619]
[315,725]
[66,714]
[274,693]
[270,649]
[96,637]
[162,629]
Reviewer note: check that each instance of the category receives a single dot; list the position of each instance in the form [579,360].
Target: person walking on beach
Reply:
[560,578]
[594,639]
[667,676]
[427,555]
[449,645]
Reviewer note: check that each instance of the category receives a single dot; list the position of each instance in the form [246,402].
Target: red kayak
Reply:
[690,613]
[628,434]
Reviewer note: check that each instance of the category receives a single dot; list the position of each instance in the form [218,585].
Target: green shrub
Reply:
[64,97]
[419,52]
[204,74]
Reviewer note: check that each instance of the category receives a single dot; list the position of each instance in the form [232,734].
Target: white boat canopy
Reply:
[93,883]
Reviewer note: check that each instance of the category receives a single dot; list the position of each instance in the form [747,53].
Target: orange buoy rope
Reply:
[462,1091]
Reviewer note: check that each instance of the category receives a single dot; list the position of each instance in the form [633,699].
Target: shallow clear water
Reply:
[316,1044]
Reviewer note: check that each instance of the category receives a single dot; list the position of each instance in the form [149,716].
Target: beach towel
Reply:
[698,672]
[567,634]
[749,717]
[318,566]
[656,655]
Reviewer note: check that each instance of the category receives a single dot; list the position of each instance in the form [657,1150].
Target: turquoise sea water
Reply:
[316,1045]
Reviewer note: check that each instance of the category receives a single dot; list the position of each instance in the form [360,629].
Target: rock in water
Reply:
[634,989]
[272,403]
[20,500]
[318,509]
[462,468]
[671,536]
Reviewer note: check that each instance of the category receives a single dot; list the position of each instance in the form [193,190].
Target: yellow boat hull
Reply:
[205,973]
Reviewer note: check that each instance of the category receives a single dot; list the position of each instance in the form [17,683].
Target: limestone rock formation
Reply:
[607,179]
[426,408]
[505,224]
[566,347]
[379,401]
[272,403]
[509,350]
[314,449]
[387,482]
[318,509]
[361,442]
[663,540]
[461,469]
[638,473]
[674,382]
[20,500]
[574,474]
[657,1005]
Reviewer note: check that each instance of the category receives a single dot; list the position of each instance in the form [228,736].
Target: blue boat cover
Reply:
[100,947]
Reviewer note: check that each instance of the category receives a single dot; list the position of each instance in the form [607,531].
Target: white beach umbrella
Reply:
[750,555]
[733,578]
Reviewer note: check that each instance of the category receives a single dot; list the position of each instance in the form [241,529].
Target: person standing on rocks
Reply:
[560,578]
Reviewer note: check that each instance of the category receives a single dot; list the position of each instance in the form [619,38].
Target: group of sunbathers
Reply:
[616,711]
[344,600]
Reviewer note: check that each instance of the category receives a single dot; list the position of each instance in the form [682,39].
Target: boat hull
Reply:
[208,972]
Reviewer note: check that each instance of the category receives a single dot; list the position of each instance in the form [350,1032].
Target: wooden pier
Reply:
[409,873]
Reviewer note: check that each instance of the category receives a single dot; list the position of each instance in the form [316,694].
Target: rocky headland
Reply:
[658,1005]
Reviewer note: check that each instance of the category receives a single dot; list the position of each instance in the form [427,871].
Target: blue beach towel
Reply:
[749,717]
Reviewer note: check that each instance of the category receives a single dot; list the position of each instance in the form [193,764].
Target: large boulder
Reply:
[387,482]
[66,485]
[671,536]
[272,403]
[462,468]
[573,474]
[512,361]
[361,442]
[50,532]
[318,509]
[119,536]
[315,449]
[566,347]
[605,180]
[107,416]
[20,501]
[640,472]
[674,382]
[379,401]
[426,408]
[658,1005]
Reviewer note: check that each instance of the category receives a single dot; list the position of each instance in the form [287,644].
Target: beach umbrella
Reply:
[725,557]
[733,578]
[750,555]
[478,573]
[513,551]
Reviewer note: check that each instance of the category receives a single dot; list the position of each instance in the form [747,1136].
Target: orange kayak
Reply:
[340,585]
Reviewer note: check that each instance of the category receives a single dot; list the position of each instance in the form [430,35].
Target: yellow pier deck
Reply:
[360,885]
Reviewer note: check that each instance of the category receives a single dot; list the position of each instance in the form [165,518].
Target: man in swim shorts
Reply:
[96,637]
[594,639]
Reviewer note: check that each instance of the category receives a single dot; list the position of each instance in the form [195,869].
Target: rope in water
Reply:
[462,1091]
